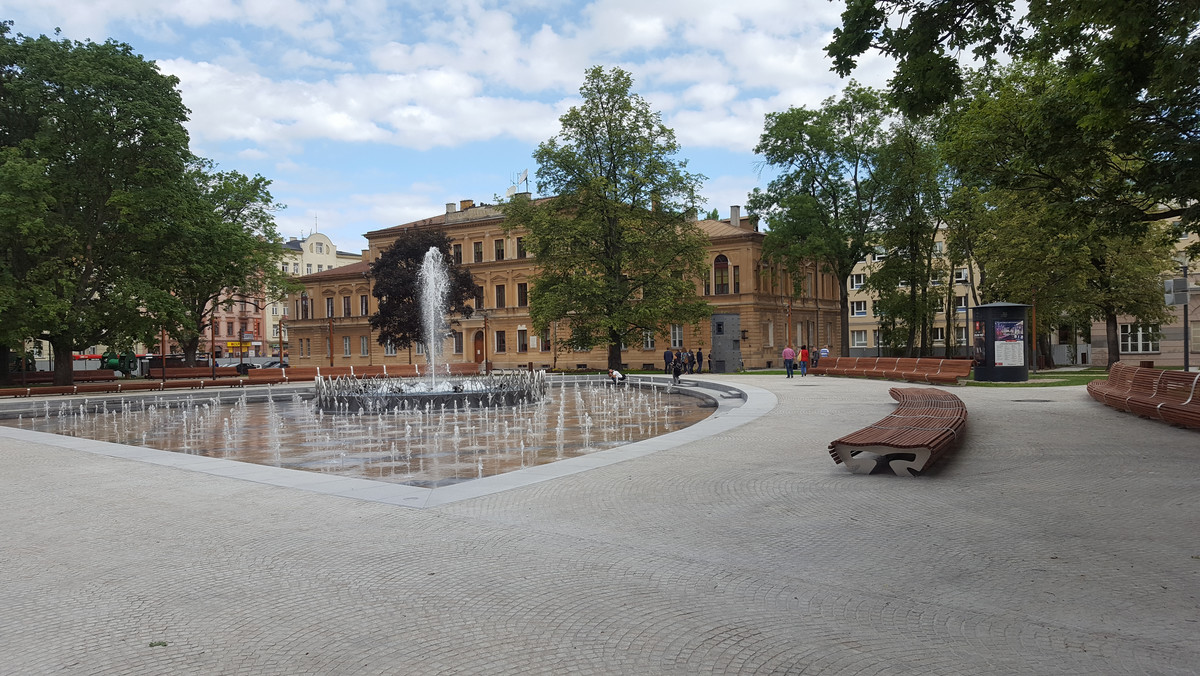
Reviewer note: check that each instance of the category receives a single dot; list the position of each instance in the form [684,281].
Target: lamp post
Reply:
[1182,258]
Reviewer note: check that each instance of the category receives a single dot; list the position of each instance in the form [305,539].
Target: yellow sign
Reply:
[237,346]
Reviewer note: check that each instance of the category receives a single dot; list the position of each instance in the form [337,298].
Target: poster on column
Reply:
[1010,343]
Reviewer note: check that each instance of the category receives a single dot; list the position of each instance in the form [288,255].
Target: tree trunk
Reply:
[64,363]
[190,347]
[844,314]
[5,370]
[1112,337]
[614,351]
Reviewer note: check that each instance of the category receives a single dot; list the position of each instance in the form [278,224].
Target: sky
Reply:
[366,114]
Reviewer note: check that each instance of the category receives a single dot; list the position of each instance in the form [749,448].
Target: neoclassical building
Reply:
[755,311]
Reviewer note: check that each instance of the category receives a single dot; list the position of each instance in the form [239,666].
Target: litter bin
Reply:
[1001,342]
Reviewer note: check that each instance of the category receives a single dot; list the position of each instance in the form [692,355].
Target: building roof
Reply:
[359,269]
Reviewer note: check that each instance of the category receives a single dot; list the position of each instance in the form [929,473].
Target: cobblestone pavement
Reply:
[1063,537]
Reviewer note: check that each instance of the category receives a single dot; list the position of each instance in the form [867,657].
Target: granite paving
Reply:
[1061,537]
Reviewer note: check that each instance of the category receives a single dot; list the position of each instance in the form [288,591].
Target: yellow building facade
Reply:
[755,311]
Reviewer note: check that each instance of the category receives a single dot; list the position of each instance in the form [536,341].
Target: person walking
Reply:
[699,360]
[803,360]
[690,358]
[668,357]
[677,367]
[789,356]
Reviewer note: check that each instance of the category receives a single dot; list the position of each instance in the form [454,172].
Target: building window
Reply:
[457,254]
[960,335]
[721,275]
[363,307]
[499,247]
[274,330]
[858,308]
[216,328]
[858,338]
[295,268]
[478,297]
[320,248]
[857,280]
[647,340]
[458,341]
[275,310]
[960,303]
[419,348]
[320,267]
[229,328]
[501,343]
[880,254]
[521,253]
[308,268]
[345,306]
[522,340]
[522,294]
[389,349]
[329,307]
[285,268]
[345,346]
[677,336]
[1137,338]
[364,345]
[477,248]
[939,248]
[499,295]
[544,342]
[939,334]
[960,275]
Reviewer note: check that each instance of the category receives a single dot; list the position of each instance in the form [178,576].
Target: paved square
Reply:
[1062,537]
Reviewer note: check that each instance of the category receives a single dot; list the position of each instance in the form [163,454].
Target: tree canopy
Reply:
[1128,69]
[93,150]
[617,252]
[396,276]
[824,204]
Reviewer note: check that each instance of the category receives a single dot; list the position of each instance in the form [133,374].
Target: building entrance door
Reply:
[479,347]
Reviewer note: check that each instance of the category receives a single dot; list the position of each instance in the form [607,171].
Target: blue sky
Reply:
[370,113]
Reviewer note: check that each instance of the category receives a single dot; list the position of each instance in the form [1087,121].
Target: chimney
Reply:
[735,216]
[465,204]
[450,207]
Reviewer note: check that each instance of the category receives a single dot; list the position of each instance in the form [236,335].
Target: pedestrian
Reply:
[677,367]
[616,376]
[803,360]
[822,354]
[699,360]
[690,358]
[789,355]
[668,357]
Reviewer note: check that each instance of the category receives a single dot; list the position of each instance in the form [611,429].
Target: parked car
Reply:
[275,365]
[244,367]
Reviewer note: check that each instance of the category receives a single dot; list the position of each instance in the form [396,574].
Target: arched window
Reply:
[721,275]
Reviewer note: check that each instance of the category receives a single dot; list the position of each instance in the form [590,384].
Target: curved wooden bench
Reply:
[1170,396]
[926,423]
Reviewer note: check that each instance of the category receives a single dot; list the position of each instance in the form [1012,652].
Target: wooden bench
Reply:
[926,423]
[1170,396]
[931,370]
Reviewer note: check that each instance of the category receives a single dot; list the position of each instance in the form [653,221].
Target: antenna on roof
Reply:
[516,184]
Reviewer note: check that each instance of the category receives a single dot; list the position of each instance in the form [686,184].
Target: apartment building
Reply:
[949,334]
[1162,345]
[257,327]
[755,314]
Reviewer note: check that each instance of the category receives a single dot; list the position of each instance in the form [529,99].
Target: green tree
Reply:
[396,283]
[24,197]
[222,245]
[1061,197]
[617,254]
[104,128]
[1129,68]
[910,175]
[714,215]
[824,204]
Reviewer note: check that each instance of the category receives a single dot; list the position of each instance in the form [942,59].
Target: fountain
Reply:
[380,394]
